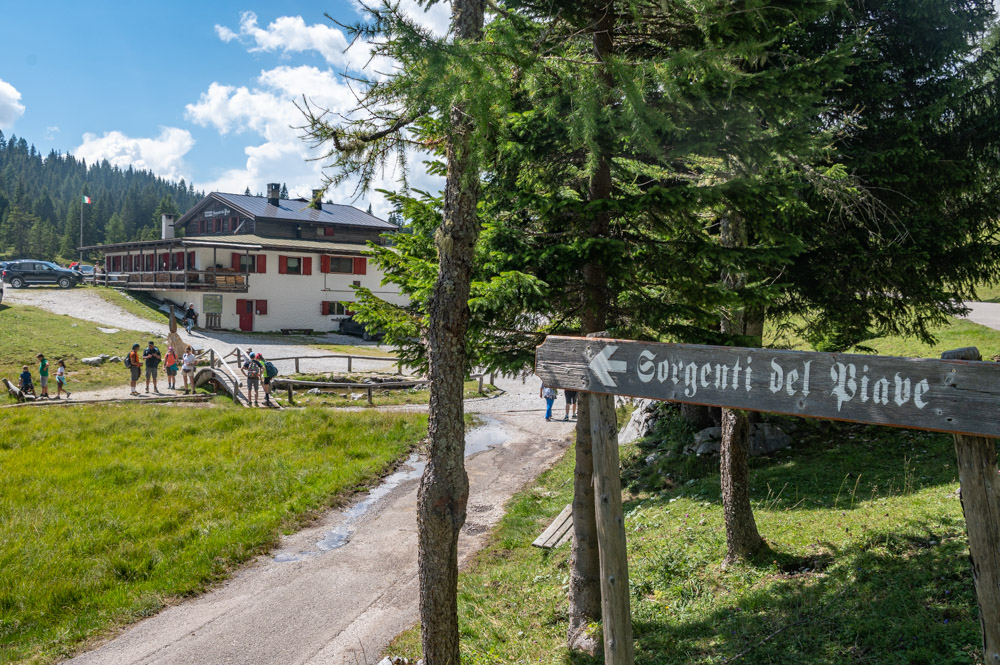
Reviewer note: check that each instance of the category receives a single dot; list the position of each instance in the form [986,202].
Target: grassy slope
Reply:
[109,511]
[27,331]
[868,562]
[133,306]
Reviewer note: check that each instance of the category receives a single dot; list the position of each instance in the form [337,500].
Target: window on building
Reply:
[342,264]
[294,265]
[248,263]
[335,309]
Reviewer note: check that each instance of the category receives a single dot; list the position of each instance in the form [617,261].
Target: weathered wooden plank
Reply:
[554,534]
[980,492]
[616,614]
[944,395]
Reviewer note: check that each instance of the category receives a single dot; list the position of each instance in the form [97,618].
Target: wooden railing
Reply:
[213,280]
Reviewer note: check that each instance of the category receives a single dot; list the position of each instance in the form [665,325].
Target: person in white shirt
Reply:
[188,361]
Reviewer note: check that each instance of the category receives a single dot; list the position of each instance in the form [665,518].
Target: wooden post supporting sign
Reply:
[980,493]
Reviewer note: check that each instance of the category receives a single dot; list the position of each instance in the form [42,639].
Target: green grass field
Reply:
[108,512]
[868,561]
[394,397]
[133,305]
[26,331]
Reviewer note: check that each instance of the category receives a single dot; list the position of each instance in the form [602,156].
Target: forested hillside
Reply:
[41,197]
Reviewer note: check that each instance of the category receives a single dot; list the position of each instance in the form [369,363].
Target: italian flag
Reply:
[86,199]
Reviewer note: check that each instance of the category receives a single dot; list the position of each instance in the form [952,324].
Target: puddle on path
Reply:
[484,437]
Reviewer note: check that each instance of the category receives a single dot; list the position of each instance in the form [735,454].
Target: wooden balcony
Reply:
[178,280]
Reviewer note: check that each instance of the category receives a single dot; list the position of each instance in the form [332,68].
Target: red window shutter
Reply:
[307,265]
[360,265]
[236,261]
[190,264]
[261,306]
[241,306]
[165,262]
[328,231]
[324,263]
[282,265]
[262,263]
[325,307]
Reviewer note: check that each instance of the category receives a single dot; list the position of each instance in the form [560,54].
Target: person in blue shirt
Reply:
[26,385]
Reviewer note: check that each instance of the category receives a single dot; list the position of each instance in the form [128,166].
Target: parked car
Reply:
[25,273]
[86,273]
[349,326]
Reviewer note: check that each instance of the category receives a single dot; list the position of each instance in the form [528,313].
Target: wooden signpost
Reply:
[956,394]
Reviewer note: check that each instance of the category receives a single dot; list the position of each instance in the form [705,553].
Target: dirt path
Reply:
[338,592]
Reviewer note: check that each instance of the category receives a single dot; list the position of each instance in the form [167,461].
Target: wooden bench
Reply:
[559,532]
[296,331]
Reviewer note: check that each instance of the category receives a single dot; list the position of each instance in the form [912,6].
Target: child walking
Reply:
[61,379]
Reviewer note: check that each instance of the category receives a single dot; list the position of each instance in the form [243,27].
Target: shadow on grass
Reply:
[830,465]
[907,603]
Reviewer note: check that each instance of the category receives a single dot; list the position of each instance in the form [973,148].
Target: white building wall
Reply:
[293,301]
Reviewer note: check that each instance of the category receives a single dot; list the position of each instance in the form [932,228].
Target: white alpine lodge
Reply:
[257,264]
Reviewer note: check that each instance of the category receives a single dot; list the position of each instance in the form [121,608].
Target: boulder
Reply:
[765,438]
[94,362]
[314,391]
[641,421]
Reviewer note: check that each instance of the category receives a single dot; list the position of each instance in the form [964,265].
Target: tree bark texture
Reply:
[585,574]
[742,537]
[444,487]
[980,483]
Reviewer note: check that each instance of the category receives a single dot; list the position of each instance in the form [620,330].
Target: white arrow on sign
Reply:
[602,366]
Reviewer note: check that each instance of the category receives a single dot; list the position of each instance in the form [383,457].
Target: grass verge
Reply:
[361,349]
[26,331]
[134,304]
[868,560]
[109,511]
[384,397]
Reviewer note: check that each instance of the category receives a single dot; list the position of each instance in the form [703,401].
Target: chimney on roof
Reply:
[273,190]
[317,199]
[166,227]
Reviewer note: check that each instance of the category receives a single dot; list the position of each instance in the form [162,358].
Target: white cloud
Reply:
[11,107]
[163,155]
[290,34]
[50,133]
[268,110]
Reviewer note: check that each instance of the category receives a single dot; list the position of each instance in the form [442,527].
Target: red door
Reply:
[245,309]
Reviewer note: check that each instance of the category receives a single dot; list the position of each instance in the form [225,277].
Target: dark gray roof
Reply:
[295,211]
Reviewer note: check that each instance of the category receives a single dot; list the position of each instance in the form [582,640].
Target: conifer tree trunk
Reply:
[585,569]
[742,537]
[444,487]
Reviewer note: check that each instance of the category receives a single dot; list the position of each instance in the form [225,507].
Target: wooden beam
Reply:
[615,608]
[980,494]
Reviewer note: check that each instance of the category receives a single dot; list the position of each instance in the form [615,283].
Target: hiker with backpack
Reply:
[253,371]
[190,317]
[170,364]
[152,357]
[269,372]
[134,365]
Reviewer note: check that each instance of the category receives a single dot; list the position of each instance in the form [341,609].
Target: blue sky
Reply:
[196,90]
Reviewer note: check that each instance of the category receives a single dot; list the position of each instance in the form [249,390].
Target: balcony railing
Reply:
[178,280]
